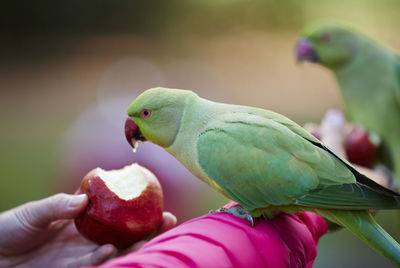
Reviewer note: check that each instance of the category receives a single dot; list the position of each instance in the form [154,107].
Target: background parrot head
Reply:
[156,115]
[329,43]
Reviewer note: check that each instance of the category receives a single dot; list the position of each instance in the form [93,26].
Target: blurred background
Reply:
[69,69]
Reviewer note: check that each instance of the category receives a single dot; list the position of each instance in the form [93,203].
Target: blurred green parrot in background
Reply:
[263,161]
[368,74]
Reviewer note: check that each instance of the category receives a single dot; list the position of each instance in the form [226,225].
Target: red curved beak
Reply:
[305,51]
[133,133]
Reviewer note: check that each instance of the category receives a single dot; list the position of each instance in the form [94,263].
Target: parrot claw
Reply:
[240,212]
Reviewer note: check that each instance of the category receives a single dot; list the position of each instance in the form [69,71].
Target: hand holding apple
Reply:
[348,140]
[125,206]
[42,234]
[353,143]
[361,147]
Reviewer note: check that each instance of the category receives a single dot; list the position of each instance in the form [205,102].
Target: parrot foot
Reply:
[240,212]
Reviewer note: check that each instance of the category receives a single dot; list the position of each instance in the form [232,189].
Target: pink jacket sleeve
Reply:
[223,240]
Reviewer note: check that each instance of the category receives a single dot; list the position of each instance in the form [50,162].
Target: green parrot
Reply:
[263,161]
[368,74]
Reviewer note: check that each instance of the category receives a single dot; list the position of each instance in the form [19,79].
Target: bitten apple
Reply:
[125,206]
[361,148]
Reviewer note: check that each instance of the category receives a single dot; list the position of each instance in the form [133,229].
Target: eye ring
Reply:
[326,37]
[145,113]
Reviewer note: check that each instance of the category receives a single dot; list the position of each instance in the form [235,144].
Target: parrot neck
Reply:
[360,79]
[184,149]
[370,59]
[368,85]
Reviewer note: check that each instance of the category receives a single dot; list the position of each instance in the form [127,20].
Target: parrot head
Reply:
[328,43]
[155,115]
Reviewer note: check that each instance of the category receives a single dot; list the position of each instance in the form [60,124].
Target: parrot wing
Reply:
[309,137]
[260,162]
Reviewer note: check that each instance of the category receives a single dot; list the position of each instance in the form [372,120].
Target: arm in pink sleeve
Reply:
[224,240]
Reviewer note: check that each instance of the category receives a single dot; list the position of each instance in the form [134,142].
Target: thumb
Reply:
[39,214]
[332,131]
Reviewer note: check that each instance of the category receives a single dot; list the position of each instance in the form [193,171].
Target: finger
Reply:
[332,131]
[376,175]
[41,213]
[169,221]
[95,257]
[137,245]
[311,127]
[134,247]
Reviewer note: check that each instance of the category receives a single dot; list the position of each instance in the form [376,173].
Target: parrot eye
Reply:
[326,37]
[145,113]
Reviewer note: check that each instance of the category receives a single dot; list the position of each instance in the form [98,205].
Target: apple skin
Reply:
[360,149]
[316,133]
[109,219]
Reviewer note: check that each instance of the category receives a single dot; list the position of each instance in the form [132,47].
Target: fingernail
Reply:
[174,219]
[108,249]
[334,117]
[77,201]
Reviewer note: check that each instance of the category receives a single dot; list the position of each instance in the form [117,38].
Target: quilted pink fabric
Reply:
[224,240]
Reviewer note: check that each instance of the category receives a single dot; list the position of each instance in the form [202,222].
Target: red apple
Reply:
[361,148]
[125,206]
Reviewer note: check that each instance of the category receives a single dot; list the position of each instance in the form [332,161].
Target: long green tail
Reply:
[364,226]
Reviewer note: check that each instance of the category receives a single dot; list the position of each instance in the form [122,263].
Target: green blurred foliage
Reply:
[145,17]
[154,17]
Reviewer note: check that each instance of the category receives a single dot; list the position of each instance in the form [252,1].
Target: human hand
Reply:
[42,234]
[169,222]
[332,132]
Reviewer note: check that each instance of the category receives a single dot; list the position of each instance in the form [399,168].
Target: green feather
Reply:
[285,169]
[353,196]
[364,226]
